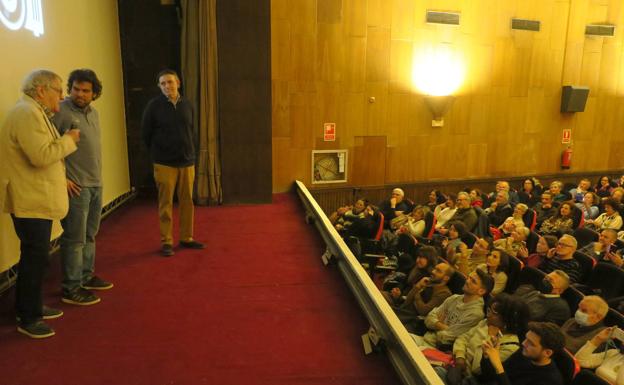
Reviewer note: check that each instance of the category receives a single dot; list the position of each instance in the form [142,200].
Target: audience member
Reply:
[589,206]
[427,294]
[609,364]
[445,211]
[496,266]
[557,194]
[560,223]
[545,209]
[454,245]
[604,249]
[344,216]
[531,365]
[562,258]
[435,198]
[586,323]
[426,259]
[512,244]
[579,192]
[500,209]
[529,194]
[547,304]
[476,198]
[468,260]
[544,243]
[464,213]
[610,219]
[506,322]
[603,188]
[394,207]
[458,313]
[35,190]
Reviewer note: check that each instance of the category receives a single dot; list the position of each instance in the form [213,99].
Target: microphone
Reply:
[74,124]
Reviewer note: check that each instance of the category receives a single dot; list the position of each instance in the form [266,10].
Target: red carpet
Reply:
[256,307]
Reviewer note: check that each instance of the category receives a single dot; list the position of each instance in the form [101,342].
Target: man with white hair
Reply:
[394,207]
[586,323]
[35,190]
[464,213]
[500,209]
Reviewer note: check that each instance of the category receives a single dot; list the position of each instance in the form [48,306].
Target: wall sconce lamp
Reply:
[438,105]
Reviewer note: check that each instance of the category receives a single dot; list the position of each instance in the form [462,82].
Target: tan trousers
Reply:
[166,180]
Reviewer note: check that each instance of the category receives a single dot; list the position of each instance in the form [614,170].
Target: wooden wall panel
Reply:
[331,57]
[368,161]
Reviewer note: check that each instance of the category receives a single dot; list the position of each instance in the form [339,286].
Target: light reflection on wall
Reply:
[28,14]
[438,71]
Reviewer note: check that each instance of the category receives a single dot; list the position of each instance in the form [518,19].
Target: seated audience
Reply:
[366,226]
[458,313]
[426,259]
[610,219]
[562,258]
[557,194]
[496,266]
[453,244]
[589,206]
[545,209]
[578,193]
[506,322]
[476,198]
[464,213]
[445,211]
[394,207]
[435,198]
[546,304]
[560,223]
[505,230]
[344,216]
[467,260]
[500,209]
[544,243]
[603,188]
[529,194]
[429,293]
[609,364]
[407,228]
[604,250]
[531,365]
[586,323]
[512,244]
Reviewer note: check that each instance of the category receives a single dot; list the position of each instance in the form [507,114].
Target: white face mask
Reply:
[581,318]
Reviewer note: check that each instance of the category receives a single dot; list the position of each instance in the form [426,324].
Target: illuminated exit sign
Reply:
[17,14]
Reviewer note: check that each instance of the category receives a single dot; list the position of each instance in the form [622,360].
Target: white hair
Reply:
[38,78]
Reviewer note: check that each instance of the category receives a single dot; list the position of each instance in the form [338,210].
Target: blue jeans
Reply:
[78,240]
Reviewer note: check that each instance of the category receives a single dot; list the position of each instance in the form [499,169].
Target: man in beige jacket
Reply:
[34,189]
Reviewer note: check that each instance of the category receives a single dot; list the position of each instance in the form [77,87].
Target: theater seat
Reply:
[573,297]
[606,280]
[585,236]
[456,282]
[587,265]
[530,219]
[513,274]
[586,377]
[568,365]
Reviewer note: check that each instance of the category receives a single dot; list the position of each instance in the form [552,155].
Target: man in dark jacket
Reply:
[167,130]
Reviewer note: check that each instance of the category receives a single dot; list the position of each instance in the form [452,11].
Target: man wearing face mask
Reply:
[546,304]
[587,322]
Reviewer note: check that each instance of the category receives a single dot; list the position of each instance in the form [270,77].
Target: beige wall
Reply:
[78,34]
[330,56]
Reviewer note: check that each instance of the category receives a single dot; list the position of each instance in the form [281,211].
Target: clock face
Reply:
[326,168]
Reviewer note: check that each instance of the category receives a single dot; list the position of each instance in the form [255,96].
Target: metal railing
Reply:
[410,364]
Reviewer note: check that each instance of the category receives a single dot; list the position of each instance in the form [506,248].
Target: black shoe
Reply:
[167,250]
[80,296]
[50,313]
[97,283]
[192,245]
[37,329]
[46,313]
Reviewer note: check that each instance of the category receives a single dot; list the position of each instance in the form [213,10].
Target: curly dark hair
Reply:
[550,335]
[514,313]
[85,75]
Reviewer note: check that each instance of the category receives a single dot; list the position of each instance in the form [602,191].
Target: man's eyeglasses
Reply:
[58,90]
[564,244]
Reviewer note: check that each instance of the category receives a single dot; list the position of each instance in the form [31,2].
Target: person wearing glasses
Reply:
[34,190]
[464,213]
[562,258]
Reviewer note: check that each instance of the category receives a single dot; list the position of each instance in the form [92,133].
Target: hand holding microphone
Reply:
[74,131]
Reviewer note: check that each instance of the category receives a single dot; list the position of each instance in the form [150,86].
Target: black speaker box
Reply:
[573,98]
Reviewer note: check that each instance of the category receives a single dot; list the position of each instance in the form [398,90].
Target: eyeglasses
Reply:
[564,244]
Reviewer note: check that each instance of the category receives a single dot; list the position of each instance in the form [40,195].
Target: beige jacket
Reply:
[32,172]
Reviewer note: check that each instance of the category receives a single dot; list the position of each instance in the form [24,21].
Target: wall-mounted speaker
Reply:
[573,98]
